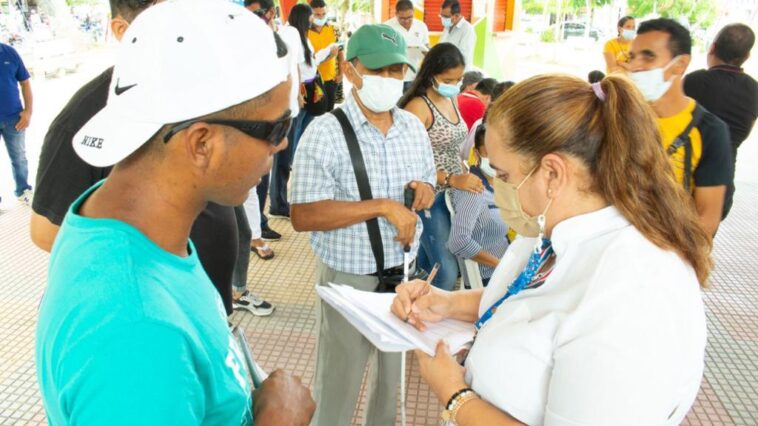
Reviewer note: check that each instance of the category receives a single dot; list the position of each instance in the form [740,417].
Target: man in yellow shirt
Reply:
[696,141]
[322,35]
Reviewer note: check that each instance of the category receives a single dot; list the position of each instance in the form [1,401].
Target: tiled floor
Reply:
[729,394]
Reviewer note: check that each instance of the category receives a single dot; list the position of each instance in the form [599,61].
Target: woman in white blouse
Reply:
[594,316]
[312,90]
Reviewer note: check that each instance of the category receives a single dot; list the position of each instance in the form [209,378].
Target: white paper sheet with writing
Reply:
[370,314]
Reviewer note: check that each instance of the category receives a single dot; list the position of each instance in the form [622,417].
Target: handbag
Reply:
[387,283]
[314,94]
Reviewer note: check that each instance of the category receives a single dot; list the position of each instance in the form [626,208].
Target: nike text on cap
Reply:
[180,59]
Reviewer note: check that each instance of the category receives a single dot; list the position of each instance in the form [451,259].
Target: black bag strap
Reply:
[364,188]
[683,140]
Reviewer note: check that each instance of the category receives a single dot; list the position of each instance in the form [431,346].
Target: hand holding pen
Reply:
[418,302]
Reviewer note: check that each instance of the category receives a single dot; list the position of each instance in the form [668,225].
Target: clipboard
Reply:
[254,371]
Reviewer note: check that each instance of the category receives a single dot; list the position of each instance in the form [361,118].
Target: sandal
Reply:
[262,250]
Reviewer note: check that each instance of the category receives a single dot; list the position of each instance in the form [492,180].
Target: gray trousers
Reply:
[342,355]
[239,280]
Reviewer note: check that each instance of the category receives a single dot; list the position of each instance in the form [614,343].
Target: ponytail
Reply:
[299,19]
[613,131]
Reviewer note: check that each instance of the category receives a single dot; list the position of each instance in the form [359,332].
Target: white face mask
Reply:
[380,94]
[628,35]
[651,82]
[486,168]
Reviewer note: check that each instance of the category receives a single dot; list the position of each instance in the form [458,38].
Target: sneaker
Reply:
[268,234]
[26,197]
[253,304]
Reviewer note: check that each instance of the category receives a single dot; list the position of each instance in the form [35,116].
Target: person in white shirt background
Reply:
[594,316]
[416,36]
[301,19]
[253,206]
[458,31]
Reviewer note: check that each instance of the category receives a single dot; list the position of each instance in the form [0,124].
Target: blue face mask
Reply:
[448,90]
[447,22]
[628,35]
[319,22]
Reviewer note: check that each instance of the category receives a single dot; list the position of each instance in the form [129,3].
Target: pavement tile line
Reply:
[287,339]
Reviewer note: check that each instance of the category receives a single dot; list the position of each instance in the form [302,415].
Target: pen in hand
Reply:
[429,279]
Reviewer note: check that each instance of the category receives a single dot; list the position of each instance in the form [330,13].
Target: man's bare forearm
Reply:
[329,215]
[26,93]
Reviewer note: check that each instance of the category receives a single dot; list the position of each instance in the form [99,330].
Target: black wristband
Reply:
[455,395]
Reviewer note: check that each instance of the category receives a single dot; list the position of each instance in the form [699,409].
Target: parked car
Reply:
[579,29]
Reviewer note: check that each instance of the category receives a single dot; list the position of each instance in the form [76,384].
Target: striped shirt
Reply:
[477,226]
[322,170]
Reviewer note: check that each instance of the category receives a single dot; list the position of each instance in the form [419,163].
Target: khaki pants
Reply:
[342,354]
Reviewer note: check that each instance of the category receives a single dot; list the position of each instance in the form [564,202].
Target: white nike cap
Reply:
[179,60]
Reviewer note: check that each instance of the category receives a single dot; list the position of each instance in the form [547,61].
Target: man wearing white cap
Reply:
[62,177]
[125,333]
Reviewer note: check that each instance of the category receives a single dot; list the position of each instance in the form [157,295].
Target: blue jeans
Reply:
[280,171]
[304,122]
[14,142]
[434,244]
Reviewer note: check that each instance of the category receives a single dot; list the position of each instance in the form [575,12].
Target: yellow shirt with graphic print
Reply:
[321,40]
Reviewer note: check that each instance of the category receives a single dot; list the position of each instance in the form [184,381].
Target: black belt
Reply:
[397,270]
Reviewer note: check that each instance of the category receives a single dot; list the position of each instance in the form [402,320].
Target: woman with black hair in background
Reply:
[431,98]
[312,88]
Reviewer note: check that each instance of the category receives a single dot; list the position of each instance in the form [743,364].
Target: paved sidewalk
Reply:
[729,394]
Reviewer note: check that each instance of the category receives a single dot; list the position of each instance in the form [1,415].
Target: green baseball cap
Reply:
[377,46]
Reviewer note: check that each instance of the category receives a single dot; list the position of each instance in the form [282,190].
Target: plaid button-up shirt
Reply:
[322,170]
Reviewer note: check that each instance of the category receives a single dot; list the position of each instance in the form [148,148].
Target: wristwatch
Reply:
[456,402]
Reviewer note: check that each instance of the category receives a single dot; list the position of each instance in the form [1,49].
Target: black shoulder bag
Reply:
[684,140]
[387,283]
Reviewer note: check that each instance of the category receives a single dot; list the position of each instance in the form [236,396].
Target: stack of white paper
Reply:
[370,314]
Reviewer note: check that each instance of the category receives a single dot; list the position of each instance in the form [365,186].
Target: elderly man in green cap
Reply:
[326,202]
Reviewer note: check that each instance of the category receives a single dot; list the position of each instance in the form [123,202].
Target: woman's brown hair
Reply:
[617,138]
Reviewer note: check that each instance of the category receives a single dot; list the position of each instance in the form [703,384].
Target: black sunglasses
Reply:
[272,132]
[260,12]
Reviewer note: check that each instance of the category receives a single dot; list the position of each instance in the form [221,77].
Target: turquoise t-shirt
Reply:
[130,334]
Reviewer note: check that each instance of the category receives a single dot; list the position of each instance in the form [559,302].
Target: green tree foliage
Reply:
[536,7]
[700,13]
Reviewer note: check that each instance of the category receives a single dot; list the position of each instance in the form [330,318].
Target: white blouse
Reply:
[615,336]
[308,72]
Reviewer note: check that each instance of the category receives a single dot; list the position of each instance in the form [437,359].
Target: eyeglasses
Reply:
[272,132]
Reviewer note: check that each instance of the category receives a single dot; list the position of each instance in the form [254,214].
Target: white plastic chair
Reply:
[472,277]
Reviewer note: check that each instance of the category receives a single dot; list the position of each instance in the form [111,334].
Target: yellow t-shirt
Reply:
[322,40]
[670,128]
[620,50]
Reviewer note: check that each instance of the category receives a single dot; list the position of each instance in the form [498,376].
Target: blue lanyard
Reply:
[536,260]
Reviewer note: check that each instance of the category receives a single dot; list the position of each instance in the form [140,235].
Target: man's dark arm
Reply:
[329,215]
